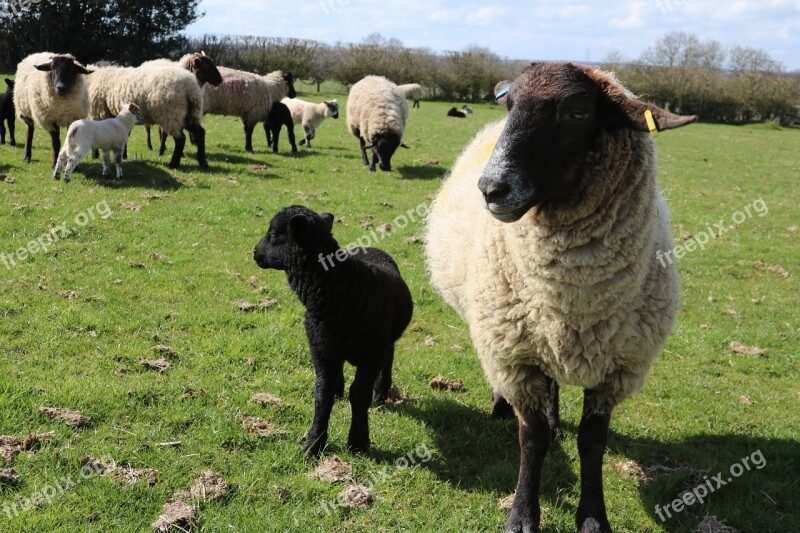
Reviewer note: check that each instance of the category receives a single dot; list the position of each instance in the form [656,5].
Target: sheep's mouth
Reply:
[508,213]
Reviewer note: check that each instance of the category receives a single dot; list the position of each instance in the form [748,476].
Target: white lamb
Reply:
[545,239]
[109,135]
[377,113]
[413,91]
[311,115]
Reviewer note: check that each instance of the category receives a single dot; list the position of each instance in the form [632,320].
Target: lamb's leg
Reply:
[534,440]
[62,160]
[383,383]
[309,135]
[3,131]
[268,133]
[501,409]
[26,152]
[125,151]
[275,136]
[360,399]
[248,136]
[55,140]
[199,135]
[107,164]
[339,394]
[74,160]
[363,150]
[180,144]
[11,126]
[328,372]
[118,161]
[592,438]
[95,154]
[290,134]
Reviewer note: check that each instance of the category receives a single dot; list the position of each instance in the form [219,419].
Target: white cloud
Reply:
[634,18]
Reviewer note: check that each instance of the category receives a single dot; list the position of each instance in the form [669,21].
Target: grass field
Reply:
[173,255]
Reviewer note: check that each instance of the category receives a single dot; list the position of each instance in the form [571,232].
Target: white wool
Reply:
[375,105]
[309,114]
[412,91]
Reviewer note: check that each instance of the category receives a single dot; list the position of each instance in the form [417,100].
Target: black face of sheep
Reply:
[204,68]
[64,71]
[383,148]
[294,232]
[289,79]
[556,113]
[333,107]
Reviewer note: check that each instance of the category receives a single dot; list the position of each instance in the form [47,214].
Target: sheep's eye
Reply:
[579,114]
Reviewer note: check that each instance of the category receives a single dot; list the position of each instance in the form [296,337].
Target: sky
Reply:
[533,30]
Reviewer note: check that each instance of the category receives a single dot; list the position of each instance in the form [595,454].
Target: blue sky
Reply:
[566,29]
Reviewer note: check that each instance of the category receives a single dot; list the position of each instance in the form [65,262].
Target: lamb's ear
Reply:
[328,218]
[44,67]
[299,227]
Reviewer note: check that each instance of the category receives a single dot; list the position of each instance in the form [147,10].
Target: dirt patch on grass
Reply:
[260,427]
[333,470]
[737,348]
[210,486]
[357,497]
[8,476]
[177,516]
[711,524]
[439,383]
[69,417]
[10,447]
[127,475]
[157,365]
[265,398]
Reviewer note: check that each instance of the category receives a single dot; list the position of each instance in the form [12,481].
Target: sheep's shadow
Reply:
[137,174]
[425,172]
[479,453]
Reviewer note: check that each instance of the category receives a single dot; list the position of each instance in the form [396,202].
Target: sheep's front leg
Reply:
[363,150]
[592,438]
[3,131]
[11,126]
[26,152]
[107,164]
[55,139]
[162,139]
[248,135]
[72,165]
[198,133]
[534,440]
[360,399]
[328,372]
[309,135]
[149,140]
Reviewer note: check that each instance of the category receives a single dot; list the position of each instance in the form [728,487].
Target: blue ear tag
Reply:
[502,93]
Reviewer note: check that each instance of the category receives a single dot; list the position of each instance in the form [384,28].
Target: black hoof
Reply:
[590,525]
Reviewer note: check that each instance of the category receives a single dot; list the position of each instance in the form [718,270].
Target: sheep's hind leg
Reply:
[180,144]
[328,372]
[107,164]
[248,136]
[26,152]
[363,150]
[534,440]
[360,399]
[592,438]
[72,165]
[118,161]
[199,135]
[11,126]
[383,382]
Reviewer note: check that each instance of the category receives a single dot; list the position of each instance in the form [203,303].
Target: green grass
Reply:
[64,352]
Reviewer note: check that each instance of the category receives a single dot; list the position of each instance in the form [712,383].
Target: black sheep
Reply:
[456,113]
[279,116]
[7,114]
[357,306]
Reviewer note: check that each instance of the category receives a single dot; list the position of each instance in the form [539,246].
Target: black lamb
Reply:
[279,116]
[453,112]
[357,306]
[7,114]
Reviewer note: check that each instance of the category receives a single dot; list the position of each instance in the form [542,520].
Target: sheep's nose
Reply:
[61,89]
[495,192]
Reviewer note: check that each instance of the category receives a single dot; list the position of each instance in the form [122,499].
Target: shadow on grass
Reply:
[136,174]
[426,172]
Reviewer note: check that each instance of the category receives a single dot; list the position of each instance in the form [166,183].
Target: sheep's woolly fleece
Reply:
[412,91]
[169,97]
[574,294]
[376,106]
[35,97]
[245,95]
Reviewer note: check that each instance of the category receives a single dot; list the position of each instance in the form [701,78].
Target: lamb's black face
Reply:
[289,79]
[553,119]
[64,72]
[294,232]
[333,107]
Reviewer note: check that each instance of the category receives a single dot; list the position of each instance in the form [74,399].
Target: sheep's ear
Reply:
[299,227]
[44,67]
[9,82]
[328,218]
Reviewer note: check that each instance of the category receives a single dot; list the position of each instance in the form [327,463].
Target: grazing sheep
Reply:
[466,109]
[199,64]
[248,96]
[7,114]
[279,116]
[169,96]
[311,115]
[377,113]
[412,91]
[453,112]
[357,306]
[50,90]
[558,279]
[109,135]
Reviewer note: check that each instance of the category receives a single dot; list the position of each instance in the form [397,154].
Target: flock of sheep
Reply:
[543,239]
[55,90]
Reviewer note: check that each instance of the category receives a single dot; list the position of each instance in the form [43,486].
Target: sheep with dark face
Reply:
[7,114]
[377,113]
[455,113]
[50,91]
[279,116]
[357,306]
[556,213]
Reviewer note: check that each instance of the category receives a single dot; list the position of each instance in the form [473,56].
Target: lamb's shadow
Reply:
[477,452]
[136,174]
[424,172]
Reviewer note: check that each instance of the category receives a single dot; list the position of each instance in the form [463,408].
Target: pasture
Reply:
[165,258]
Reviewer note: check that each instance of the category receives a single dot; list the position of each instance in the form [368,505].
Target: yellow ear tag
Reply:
[651,123]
